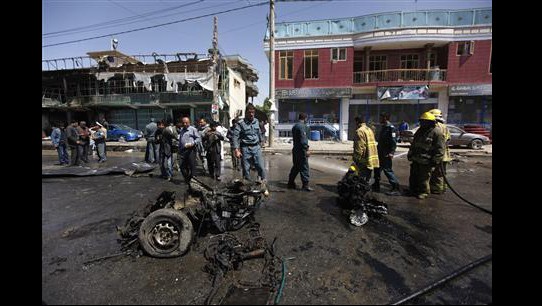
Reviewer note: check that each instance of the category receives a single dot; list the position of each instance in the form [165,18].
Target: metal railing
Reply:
[400,75]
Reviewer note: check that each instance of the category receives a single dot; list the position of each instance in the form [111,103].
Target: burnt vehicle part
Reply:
[165,228]
[354,196]
[225,252]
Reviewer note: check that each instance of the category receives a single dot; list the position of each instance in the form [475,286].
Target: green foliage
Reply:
[266,107]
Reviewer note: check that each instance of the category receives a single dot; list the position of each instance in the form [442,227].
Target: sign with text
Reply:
[470,90]
[313,93]
[403,93]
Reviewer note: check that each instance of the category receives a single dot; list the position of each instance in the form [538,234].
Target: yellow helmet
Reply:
[435,111]
[428,116]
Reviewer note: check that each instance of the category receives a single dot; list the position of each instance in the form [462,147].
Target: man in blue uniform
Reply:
[247,140]
[300,154]
[387,144]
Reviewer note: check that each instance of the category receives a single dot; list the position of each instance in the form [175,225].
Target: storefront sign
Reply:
[470,90]
[313,93]
[403,93]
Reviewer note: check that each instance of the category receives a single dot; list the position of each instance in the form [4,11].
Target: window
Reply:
[286,59]
[378,62]
[409,61]
[338,54]
[311,64]
[465,48]
[433,60]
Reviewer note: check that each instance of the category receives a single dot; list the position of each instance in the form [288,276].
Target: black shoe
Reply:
[292,186]
[307,188]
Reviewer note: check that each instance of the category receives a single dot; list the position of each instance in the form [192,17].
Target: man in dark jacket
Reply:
[153,148]
[300,154]
[213,146]
[76,149]
[387,144]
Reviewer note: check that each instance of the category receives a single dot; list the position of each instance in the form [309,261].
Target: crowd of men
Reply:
[202,144]
[81,142]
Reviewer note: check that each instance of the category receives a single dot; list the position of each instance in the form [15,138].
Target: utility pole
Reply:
[272,71]
[214,107]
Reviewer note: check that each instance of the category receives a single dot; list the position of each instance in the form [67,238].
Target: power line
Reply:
[156,26]
[117,21]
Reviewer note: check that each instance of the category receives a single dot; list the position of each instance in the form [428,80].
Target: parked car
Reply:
[326,131]
[458,137]
[123,132]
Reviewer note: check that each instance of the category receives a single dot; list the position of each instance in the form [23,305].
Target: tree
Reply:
[266,107]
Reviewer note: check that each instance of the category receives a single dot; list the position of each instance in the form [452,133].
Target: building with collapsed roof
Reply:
[131,89]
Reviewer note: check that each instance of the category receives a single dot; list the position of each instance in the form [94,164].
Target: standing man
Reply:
[99,137]
[59,140]
[169,133]
[386,149]
[153,148]
[365,152]
[188,140]
[300,154]
[436,182]
[203,126]
[247,140]
[84,136]
[213,146]
[425,153]
[234,159]
[76,149]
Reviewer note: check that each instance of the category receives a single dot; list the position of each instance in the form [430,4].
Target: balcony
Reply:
[134,100]
[400,75]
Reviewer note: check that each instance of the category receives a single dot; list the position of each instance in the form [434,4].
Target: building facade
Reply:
[130,90]
[403,63]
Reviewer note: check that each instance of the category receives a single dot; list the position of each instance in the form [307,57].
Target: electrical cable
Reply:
[155,26]
[283,280]
[443,280]
[457,194]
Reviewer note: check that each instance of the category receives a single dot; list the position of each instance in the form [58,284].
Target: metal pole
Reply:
[215,116]
[272,71]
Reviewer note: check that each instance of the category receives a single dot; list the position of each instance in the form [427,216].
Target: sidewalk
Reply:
[324,147]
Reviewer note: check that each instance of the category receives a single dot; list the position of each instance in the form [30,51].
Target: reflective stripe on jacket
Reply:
[365,151]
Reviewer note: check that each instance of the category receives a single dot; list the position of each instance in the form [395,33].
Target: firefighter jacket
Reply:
[365,151]
[447,157]
[428,146]
[387,140]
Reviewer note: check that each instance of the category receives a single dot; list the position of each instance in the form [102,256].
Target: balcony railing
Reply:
[400,75]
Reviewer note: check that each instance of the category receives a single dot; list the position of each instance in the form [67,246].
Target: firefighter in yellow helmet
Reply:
[426,152]
[436,182]
[365,151]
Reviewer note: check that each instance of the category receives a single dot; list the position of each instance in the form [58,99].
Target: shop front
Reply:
[471,104]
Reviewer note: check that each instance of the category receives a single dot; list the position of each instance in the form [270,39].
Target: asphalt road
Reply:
[331,261]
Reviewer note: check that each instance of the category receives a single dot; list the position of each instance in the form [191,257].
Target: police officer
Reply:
[436,182]
[300,154]
[247,140]
[387,144]
[426,152]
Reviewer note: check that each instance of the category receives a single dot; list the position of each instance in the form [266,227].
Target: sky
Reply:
[240,31]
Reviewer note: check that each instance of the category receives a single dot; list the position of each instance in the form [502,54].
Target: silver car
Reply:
[458,137]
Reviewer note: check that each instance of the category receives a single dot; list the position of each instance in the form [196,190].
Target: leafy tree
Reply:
[266,107]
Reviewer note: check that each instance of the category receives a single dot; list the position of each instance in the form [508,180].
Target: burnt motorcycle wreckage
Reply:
[166,228]
[356,199]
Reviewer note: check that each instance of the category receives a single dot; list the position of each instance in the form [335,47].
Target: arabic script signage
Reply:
[471,90]
[313,92]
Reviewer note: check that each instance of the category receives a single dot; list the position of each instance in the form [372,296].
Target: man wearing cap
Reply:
[426,152]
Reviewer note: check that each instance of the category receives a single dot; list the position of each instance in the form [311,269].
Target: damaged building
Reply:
[131,89]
